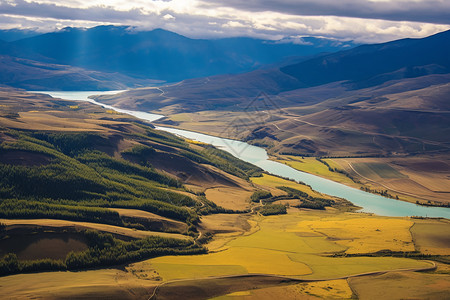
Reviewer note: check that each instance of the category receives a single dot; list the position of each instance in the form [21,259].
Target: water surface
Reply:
[370,203]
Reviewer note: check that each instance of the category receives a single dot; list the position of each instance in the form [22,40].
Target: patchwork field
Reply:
[225,227]
[289,245]
[414,179]
[305,244]
[297,245]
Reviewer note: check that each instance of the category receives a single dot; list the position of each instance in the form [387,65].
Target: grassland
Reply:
[431,236]
[372,169]
[413,162]
[149,221]
[70,164]
[313,166]
[286,245]
[419,180]
[366,235]
[229,198]
[132,161]
[295,245]
[99,284]
[333,289]
[273,182]
[415,179]
[401,285]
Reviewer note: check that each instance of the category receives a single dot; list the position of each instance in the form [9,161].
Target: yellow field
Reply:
[225,228]
[295,245]
[252,260]
[366,235]
[288,245]
[98,284]
[225,223]
[274,181]
[311,165]
[333,289]
[432,236]
[402,285]
[229,197]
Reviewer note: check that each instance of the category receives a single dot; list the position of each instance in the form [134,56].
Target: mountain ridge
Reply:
[161,54]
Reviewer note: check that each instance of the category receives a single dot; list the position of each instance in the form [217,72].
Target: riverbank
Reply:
[258,156]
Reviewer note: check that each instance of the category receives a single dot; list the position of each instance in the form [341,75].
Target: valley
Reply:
[228,237]
[321,176]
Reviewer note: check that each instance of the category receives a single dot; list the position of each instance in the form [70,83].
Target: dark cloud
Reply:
[212,20]
[428,11]
[47,10]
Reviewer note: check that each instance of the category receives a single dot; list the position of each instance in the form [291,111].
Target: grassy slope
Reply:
[280,238]
[112,164]
[93,160]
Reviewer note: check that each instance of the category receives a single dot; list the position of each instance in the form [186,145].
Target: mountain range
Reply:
[157,54]
[383,99]
[347,96]
[344,71]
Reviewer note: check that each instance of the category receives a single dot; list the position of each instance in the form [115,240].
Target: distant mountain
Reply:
[370,65]
[384,99]
[34,75]
[163,55]
[332,74]
[10,35]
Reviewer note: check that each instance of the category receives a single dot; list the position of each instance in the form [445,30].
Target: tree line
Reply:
[104,250]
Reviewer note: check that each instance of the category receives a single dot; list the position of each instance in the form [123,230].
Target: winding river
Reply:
[370,203]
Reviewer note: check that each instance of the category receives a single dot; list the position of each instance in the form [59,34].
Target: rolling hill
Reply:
[370,100]
[143,189]
[311,80]
[371,65]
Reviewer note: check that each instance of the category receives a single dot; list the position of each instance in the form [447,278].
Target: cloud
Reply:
[197,19]
[428,11]
[168,17]
[48,10]
[297,40]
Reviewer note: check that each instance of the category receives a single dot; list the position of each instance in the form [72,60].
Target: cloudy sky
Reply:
[360,20]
